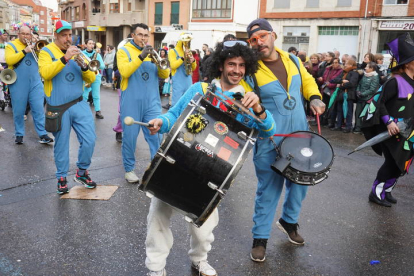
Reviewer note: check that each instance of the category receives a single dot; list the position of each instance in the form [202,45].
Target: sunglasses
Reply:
[232,43]
[255,39]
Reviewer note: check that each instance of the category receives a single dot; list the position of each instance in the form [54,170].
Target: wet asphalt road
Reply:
[41,234]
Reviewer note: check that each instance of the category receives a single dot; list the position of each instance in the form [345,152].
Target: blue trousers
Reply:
[20,96]
[96,93]
[79,117]
[268,192]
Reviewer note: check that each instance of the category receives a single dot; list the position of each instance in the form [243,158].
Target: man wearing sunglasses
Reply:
[281,87]
[231,61]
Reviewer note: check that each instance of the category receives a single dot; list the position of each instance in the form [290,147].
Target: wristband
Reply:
[261,112]
[24,52]
[389,121]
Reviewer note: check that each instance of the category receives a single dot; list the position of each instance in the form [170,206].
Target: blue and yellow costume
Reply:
[63,84]
[27,88]
[140,99]
[289,114]
[96,85]
[180,80]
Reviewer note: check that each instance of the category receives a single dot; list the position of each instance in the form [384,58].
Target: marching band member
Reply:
[181,79]
[279,83]
[28,87]
[95,87]
[140,97]
[63,88]
[231,61]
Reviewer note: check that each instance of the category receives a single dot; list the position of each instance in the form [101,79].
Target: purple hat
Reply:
[263,25]
[402,49]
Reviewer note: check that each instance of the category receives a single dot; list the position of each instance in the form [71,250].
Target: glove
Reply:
[145,52]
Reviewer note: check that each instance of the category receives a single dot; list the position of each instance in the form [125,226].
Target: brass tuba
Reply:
[186,39]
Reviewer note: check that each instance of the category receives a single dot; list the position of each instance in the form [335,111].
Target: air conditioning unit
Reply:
[177,26]
[158,29]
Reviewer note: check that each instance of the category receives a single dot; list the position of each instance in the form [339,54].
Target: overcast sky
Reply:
[53,4]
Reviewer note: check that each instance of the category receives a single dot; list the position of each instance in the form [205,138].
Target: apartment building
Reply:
[349,26]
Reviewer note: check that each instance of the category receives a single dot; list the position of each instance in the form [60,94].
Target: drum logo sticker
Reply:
[224,154]
[188,136]
[196,123]
[221,128]
[212,140]
[28,62]
[145,76]
[317,165]
[200,147]
[307,152]
[181,140]
[289,104]
[69,77]
[231,142]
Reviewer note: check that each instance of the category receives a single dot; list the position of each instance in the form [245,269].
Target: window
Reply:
[212,8]
[42,30]
[158,14]
[42,13]
[344,3]
[175,12]
[332,30]
[312,3]
[84,11]
[42,21]
[77,13]
[395,2]
[282,4]
[114,8]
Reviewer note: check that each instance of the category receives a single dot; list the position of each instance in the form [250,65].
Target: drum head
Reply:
[309,153]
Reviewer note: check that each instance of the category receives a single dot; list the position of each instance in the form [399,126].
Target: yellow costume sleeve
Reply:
[48,69]
[163,74]
[174,62]
[11,56]
[310,88]
[127,68]
[88,76]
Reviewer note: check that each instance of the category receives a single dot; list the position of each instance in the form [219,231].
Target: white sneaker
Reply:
[204,268]
[157,273]
[131,177]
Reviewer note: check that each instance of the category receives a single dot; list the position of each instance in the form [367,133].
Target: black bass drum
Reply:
[304,158]
[199,160]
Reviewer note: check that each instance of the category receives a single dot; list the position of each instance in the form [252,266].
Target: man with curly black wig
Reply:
[231,61]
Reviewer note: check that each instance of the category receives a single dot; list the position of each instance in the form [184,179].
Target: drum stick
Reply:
[130,121]
[293,135]
[319,123]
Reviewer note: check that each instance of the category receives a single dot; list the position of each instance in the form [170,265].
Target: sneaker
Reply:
[62,186]
[373,198]
[157,273]
[85,180]
[98,115]
[118,137]
[45,139]
[204,268]
[291,230]
[258,253]
[347,130]
[19,140]
[131,177]
[336,129]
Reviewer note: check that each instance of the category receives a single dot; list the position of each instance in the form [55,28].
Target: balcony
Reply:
[116,19]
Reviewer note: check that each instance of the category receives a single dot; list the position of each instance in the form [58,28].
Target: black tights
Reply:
[389,169]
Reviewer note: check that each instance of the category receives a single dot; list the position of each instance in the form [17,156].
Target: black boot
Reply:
[373,198]
[390,198]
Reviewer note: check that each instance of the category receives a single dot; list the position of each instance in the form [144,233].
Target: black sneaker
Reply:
[118,137]
[19,140]
[98,115]
[62,186]
[45,139]
[85,180]
[291,230]
[258,253]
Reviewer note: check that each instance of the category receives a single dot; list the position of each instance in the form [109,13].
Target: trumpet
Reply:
[186,39]
[85,61]
[161,62]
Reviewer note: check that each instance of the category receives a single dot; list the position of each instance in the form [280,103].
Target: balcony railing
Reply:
[175,17]
[158,19]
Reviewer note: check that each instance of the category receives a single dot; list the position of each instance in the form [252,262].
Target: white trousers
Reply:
[160,240]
